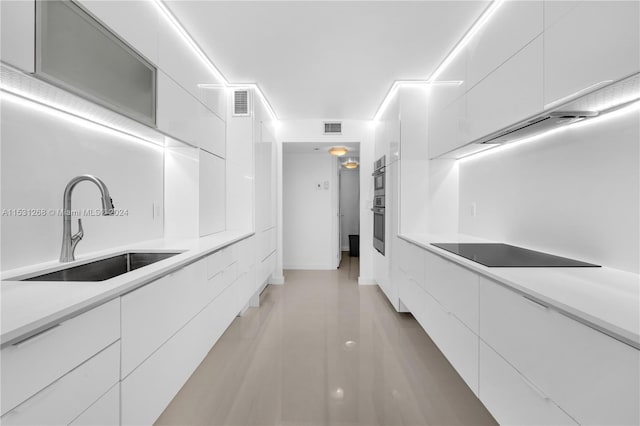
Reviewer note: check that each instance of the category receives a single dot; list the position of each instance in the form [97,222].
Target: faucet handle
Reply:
[78,235]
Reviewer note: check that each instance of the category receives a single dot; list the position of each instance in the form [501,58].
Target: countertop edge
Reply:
[39,325]
[625,336]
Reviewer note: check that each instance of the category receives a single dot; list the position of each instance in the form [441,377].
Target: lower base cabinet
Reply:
[148,390]
[67,398]
[105,411]
[511,398]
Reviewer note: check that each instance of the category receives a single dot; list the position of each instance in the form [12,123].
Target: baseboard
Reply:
[366,281]
[322,267]
[276,280]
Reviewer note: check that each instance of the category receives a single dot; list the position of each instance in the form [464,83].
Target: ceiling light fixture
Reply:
[351,164]
[205,59]
[338,151]
[432,80]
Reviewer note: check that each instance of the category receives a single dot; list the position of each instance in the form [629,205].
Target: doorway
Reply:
[314,206]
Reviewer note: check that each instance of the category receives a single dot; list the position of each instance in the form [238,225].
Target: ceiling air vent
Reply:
[333,128]
[241,102]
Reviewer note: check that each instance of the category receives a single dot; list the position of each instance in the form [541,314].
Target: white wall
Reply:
[349,204]
[309,211]
[576,193]
[352,131]
[41,153]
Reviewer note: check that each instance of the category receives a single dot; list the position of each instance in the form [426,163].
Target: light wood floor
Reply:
[322,350]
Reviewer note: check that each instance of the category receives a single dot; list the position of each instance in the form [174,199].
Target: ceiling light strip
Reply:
[477,26]
[38,105]
[189,40]
[410,83]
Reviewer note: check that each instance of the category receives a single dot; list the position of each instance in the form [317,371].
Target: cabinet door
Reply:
[512,27]
[68,397]
[17,34]
[183,116]
[592,42]
[591,376]
[511,398]
[212,206]
[511,93]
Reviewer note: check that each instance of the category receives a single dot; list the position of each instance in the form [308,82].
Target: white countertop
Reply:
[604,298]
[31,306]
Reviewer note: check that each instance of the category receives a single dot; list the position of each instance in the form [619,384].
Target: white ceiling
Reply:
[326,59]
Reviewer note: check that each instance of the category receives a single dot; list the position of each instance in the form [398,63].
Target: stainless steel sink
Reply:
[104,269]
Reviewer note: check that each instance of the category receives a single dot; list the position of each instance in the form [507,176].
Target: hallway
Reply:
[322,350]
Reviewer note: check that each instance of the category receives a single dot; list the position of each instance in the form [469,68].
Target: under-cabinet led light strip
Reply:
[74,118]
[477,26]
[634,107]
[208,63]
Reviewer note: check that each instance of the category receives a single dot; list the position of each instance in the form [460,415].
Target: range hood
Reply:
[597,100]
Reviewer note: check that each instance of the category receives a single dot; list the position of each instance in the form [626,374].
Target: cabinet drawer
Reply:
[218,261]
[65,347]
[413,297]
[66,398]
[456,341]
[105,411]
[511,398]
[454,287]
[153,313]
[150,388]
[591,376]
[411,261]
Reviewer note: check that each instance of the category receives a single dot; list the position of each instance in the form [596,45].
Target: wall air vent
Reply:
[241,103]
[332,128]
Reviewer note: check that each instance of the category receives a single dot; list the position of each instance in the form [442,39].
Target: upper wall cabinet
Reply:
[589,42]
[511,93]
[513,26]
[17,31]
[135,21]
[75,51]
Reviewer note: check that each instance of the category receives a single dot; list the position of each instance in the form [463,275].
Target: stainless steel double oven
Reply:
[379,204]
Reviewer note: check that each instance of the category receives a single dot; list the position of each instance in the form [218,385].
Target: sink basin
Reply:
[104,269]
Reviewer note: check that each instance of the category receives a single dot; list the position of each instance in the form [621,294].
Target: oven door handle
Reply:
[378,209]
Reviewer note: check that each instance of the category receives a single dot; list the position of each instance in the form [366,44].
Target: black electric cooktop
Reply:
[504,255]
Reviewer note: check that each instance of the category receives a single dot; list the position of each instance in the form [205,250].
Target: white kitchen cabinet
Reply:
[153,313]
[591,376]
[66,346]
[413,297]
[219,261]
[177,59]
[455,340]
[147,391]
[181,115]
[17,34]
[212,191]
[66,398]
[454,287]
[511,93]
[588,43]
[447,124]
[511,398]
[103,412]
[135,22]
[511,28]
[411,261]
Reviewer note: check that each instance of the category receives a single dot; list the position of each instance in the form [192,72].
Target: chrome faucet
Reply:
[69,242]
